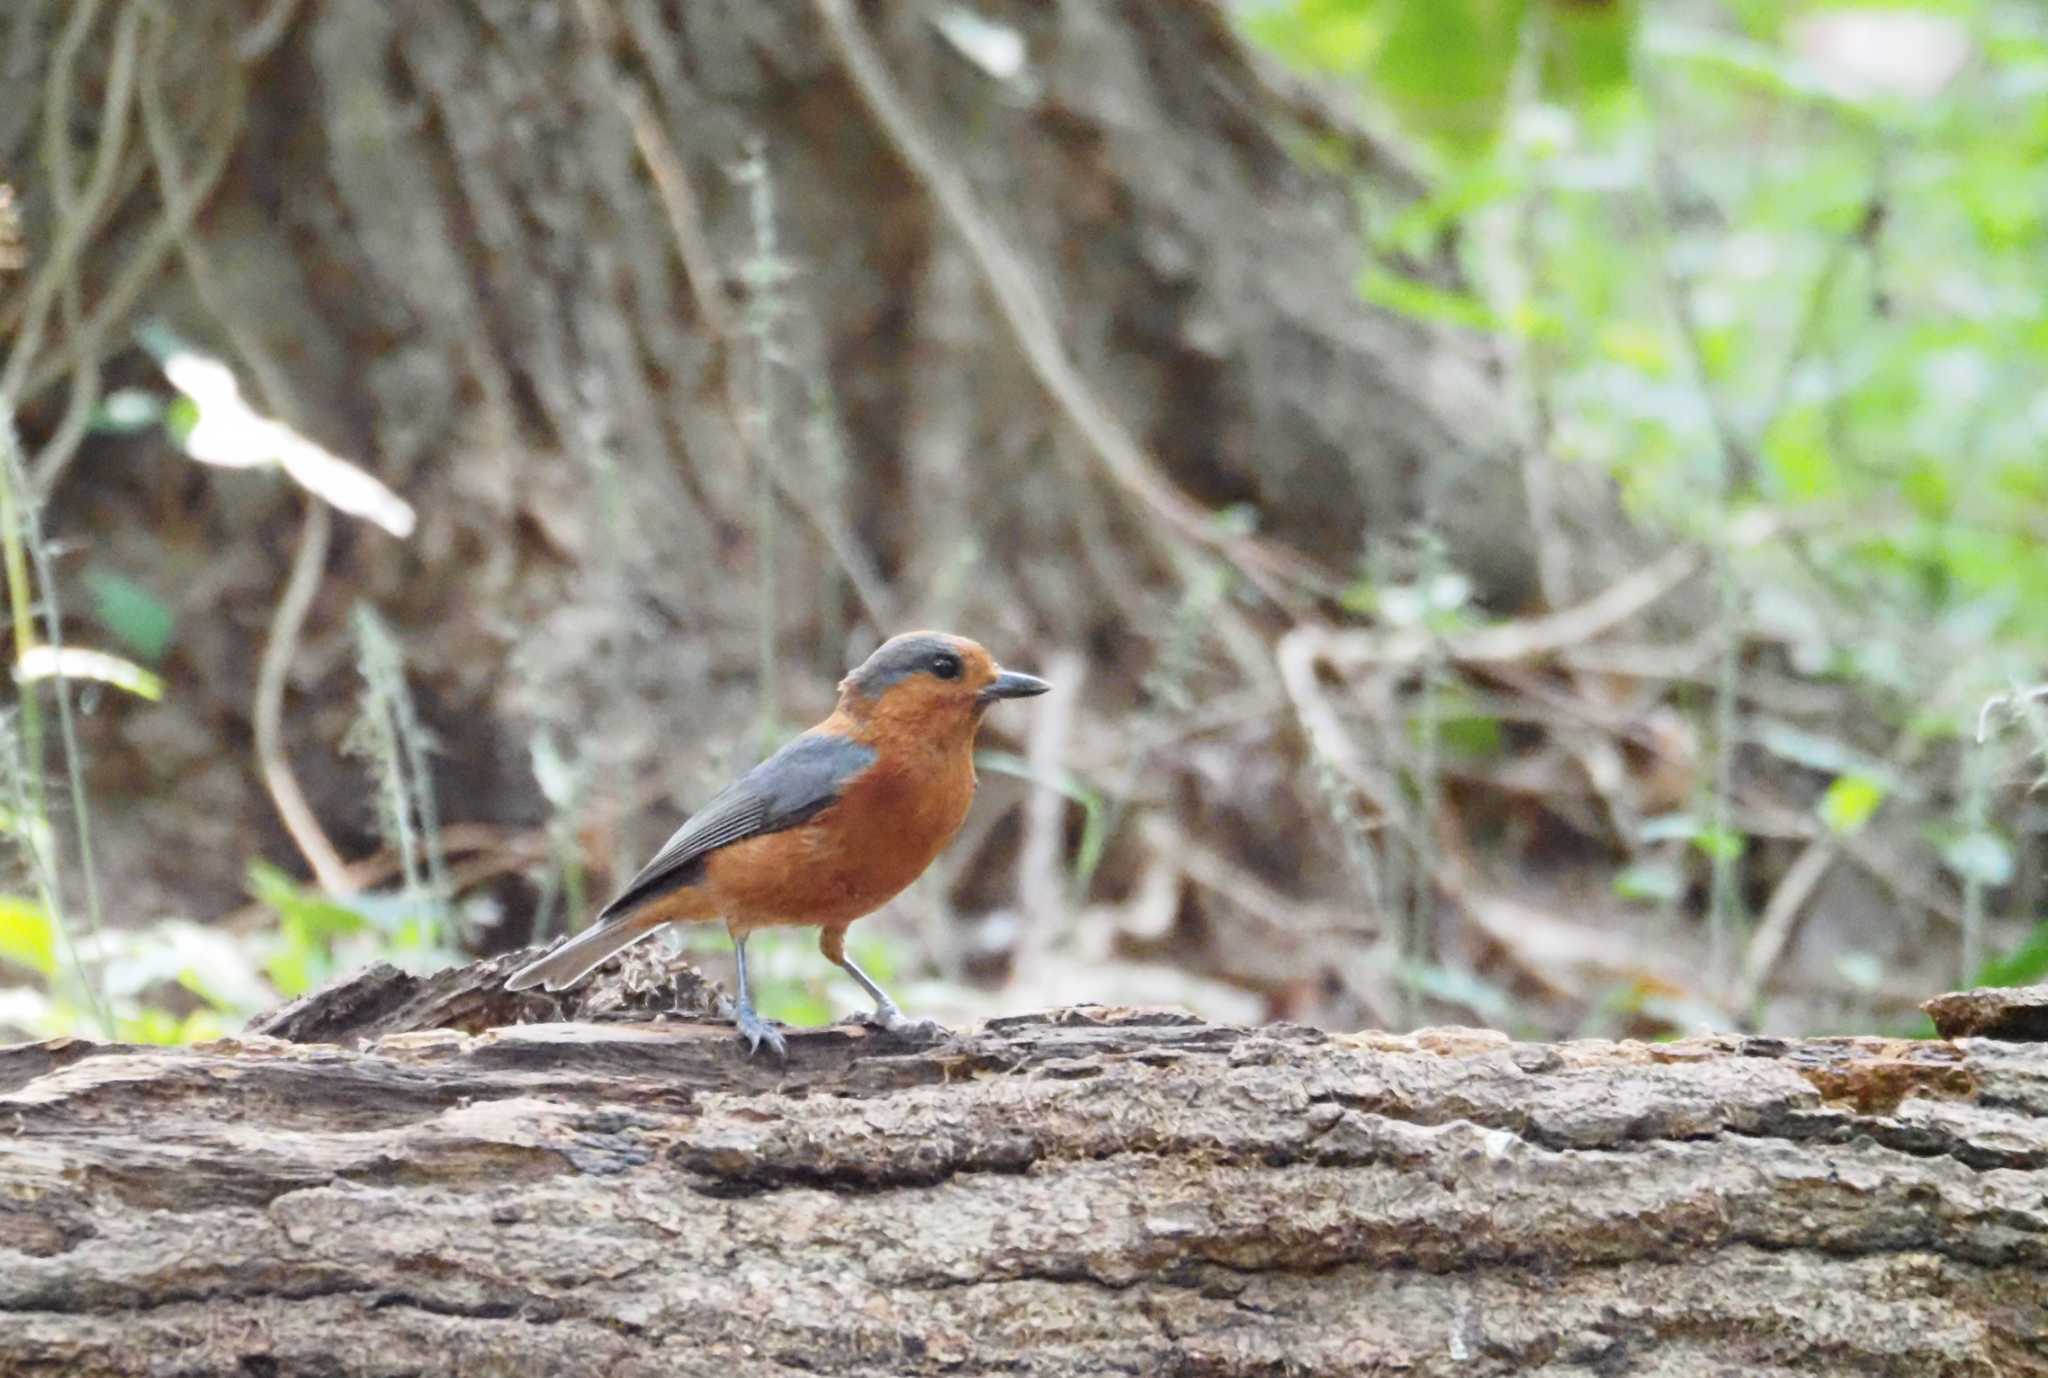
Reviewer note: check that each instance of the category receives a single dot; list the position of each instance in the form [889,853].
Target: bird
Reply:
[828,829]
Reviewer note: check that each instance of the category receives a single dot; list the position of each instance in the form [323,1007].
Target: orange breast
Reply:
[853,857]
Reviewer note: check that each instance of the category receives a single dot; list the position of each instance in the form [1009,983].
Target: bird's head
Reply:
[931,682]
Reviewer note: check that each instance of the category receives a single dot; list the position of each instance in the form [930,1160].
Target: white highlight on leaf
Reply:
[76,662]
[994,47]
[229,433]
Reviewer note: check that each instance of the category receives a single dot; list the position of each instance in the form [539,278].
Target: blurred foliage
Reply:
[1774,268]
[791,981]
[135,617]
[175,981]
[1450,68]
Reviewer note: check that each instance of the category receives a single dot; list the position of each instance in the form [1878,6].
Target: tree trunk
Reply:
[1082,1191]
[524,259]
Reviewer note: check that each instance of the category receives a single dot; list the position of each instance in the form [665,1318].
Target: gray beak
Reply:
[1011,685]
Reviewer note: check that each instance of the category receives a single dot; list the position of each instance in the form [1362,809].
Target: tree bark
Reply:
[1080,1191]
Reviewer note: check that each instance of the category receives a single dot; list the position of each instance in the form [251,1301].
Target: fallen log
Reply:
[1078,1191]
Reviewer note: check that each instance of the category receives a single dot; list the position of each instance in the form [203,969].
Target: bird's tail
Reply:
[572,961]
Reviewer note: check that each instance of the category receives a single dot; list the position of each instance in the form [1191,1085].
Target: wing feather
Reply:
[793,785]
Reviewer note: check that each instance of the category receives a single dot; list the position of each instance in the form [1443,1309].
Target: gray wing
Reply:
[789,787]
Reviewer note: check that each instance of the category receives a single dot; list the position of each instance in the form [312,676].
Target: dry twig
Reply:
[308,562]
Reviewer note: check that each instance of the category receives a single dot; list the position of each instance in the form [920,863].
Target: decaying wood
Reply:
[2019,1012]
[1083,1191]
[644,982]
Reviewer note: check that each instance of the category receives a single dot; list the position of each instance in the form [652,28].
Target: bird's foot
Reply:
[756,1031]
[887,1017]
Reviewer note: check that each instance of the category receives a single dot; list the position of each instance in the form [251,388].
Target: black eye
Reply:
[946,665]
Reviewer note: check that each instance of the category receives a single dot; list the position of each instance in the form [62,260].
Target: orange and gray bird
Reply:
[831,827]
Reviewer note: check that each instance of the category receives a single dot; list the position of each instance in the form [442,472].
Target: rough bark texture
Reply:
[1084,1191]
[2017,1012]
[643,982]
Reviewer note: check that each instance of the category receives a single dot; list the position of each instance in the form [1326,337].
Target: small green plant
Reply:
[1168,684]
[1762,282]
[175,981]
[1094,808]
[765,273]
[389,734]
[564,781]
[319,937]
[22,755]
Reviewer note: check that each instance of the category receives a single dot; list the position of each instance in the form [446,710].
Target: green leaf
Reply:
[1798,455]
[161,1027]
[1455,986]
[1722,844]
[1463,726]
[308,916]
[1638,346]
[1925,485]
[1652,883]
[180,417]
[293,970]
[1424,302]
[1419,230]
[2025,965]
[1338,36]
[137,618]
[1094,808]
[1850,802]
[27,935]
[793,1005]
[1470,735]
[151,1025]
[1445,64]
[1590,48]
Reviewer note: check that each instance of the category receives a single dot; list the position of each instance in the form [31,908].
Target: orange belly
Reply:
[850,859]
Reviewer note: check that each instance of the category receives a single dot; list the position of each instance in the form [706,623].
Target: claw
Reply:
[895,1021]
[756,1031]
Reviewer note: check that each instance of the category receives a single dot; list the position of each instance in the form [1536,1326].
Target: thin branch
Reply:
[83,341]
[254,43]
[97,195]
[271,677]
[1780,919]
[1526,639]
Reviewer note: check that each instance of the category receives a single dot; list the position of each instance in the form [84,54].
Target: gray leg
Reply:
[752,1026]
[832,942]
